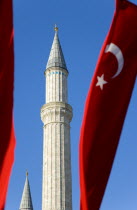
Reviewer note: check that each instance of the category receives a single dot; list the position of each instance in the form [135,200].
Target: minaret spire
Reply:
[56,57]
[26,201]
[56,115]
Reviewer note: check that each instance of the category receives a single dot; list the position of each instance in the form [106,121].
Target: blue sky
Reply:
[83,26]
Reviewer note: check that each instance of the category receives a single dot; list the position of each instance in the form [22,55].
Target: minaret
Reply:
[56,115]
[26,201]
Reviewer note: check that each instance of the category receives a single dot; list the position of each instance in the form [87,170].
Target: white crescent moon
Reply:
[115,50]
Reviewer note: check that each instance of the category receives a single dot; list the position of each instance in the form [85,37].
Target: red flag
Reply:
[107,103]
[7,139]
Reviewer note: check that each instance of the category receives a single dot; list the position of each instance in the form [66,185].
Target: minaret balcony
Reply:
[56,112]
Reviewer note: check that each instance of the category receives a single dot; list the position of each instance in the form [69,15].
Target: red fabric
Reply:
[7,139]
[105,108]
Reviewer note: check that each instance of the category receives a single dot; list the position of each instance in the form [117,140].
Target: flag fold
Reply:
[106,104]
[7,139]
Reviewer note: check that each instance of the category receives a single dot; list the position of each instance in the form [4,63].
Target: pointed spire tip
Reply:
[27,173]
[56,28]
[26,200]
[56,57]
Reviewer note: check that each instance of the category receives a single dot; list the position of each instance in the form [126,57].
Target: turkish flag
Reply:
[7,139]
[106,104]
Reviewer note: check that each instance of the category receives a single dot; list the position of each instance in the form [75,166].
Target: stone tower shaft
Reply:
[56,115]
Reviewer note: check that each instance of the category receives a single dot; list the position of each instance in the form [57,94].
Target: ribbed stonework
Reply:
[56,115]
[26,201]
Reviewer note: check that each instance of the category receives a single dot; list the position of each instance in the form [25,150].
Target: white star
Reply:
[101,81]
